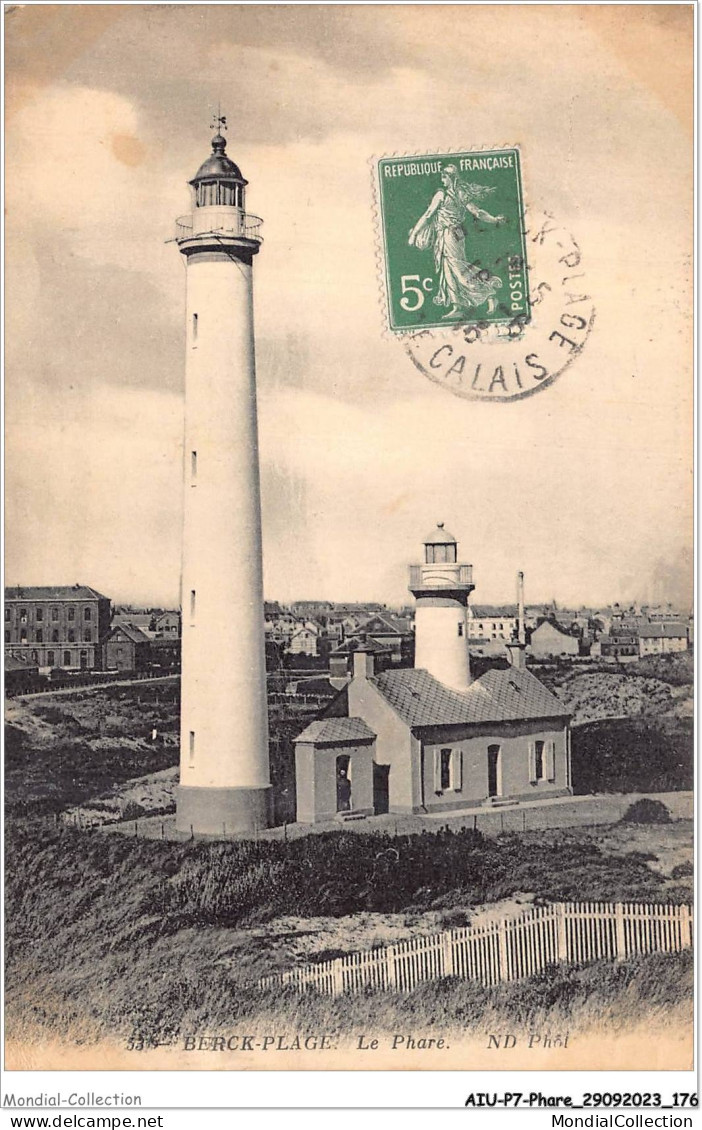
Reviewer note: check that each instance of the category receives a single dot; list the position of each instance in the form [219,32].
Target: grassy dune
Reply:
[107,934]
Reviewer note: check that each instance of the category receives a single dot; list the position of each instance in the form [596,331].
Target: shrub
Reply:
[132,811]
[646,811]
[454,919]
[682,870]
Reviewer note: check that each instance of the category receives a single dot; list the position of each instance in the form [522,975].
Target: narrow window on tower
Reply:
[193,468]
[192,747]
[194,329]
[460,629]
[192,602]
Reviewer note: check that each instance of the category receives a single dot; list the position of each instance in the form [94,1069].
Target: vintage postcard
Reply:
[348,598]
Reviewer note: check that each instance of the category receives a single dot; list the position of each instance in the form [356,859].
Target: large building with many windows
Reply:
[56,625]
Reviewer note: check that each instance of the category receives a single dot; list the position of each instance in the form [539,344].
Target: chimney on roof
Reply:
[363,663]
[516,648]
[521,630]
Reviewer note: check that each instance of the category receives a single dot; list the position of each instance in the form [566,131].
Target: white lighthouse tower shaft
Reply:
[224,770]
[441,587]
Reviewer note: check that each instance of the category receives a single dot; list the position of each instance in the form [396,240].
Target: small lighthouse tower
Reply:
[224,771]
[441,588]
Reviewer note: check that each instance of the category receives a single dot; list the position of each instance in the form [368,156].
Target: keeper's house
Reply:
[430,738]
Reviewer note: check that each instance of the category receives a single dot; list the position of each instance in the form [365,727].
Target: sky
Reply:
[586,486]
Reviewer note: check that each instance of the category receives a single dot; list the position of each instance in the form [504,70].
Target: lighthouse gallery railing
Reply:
[235,223]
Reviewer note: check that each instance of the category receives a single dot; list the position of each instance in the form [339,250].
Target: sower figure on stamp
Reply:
[462,285]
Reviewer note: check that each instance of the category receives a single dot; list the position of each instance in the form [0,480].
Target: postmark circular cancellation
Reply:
[489,299]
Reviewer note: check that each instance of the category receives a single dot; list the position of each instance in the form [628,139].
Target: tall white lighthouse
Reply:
[441,587]
[224,771]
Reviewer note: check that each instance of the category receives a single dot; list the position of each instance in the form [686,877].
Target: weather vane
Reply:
[219,121]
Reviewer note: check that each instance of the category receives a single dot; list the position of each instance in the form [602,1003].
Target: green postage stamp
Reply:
[453,239]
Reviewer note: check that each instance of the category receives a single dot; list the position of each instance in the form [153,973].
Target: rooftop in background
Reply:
[131,631]
[53,592]
[660,631]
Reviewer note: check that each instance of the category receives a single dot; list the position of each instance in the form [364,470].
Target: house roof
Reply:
[353,643]
[667,631]
[384,623]
[548,623]
[493,612]
[15,663]
[497,696]
[331,731]
[131,631]
[52,592]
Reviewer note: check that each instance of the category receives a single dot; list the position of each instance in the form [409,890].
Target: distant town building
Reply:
[53,626]
[550,640]
[167,625]
[341,659]
[20,676]
[305,640]
[487,623]
[659,639]
[394,632]
[620,643]
[126,648]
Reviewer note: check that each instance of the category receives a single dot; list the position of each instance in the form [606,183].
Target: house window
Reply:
[192,602]
[50,658]
[71,613]
[542,761]
[7,636]
[343,783]
[54,614]
[67,659]
[194,328]
[191,751]
[193,467]
[448,770]
[54,636]
[35,656]
[8,614]
[87,636]
[71,636]
[23,615]
[445,779]
[87,613]
[40,635]
[539,761]
[460,629]
[40,614]
[23,635]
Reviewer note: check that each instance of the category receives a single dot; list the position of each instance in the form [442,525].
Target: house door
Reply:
[381,789]
[343,784]
[494,782]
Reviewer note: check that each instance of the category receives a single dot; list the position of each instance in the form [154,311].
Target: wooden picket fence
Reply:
[506,950]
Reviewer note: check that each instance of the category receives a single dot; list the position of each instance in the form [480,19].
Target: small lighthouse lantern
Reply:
[440,547]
